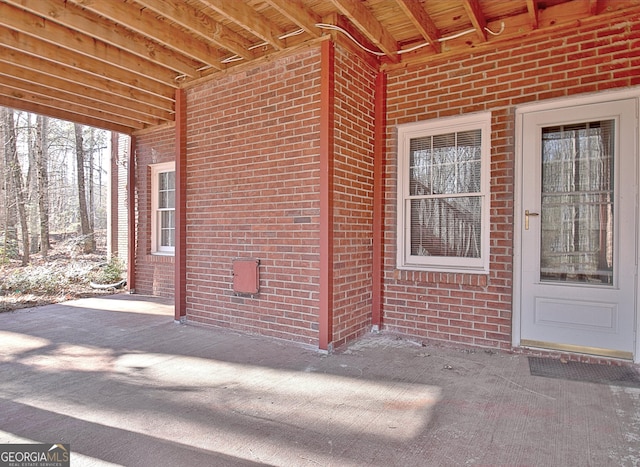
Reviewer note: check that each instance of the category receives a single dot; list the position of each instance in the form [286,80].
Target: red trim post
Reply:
[379,143]
[180,265]
[131,216]
[112,215]
[327,85]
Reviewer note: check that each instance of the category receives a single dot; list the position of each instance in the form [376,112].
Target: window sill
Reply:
[161,257]
[431,276]
[162,253]
[443,269]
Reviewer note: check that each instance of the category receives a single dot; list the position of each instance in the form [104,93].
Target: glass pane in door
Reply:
[577,203]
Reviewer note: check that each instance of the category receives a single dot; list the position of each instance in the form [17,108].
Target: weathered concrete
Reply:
[125,385]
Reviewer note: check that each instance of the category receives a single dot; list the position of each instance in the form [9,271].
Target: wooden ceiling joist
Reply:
[136,19]
[250,20]
[299,14]
[34,82]
[59,36]
[62,56]
[532,10]
[422,21]
[60,113]
[189,18]
[147,103]
[79,20]
[361,17]
[59,100]
[117,64]
[48,100]
[477,17]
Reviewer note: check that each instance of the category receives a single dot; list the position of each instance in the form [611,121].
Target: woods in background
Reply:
[53,182]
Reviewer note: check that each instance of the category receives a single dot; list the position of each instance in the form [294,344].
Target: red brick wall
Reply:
[476,309]
[154,274]
[353,195]
[253,192]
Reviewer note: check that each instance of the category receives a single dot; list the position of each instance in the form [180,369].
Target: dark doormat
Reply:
[587,372]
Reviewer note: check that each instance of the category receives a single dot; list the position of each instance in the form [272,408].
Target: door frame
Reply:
[557,104]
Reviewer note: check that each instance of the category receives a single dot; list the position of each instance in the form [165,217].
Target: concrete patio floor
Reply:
[123,384]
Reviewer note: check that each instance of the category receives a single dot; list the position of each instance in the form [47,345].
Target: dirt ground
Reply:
[64,274]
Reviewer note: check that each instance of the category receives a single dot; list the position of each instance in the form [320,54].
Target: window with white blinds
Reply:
[163,207]
[443,194]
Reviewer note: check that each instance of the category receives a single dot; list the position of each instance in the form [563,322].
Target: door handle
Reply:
[527,214]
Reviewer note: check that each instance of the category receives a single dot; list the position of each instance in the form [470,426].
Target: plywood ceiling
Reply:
[116,64]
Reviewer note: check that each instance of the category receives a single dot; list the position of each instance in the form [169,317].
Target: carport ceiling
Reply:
[116,64]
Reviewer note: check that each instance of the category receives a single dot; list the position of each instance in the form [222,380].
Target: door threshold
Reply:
[596,351]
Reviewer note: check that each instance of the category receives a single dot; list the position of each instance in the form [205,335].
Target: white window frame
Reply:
[405,260]
[156,170]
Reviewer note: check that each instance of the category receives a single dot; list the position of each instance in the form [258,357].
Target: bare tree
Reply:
[42,157]
[15,185]
[29,128]
[10,213]
[87,231]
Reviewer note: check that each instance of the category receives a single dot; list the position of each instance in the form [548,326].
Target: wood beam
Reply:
[532,10]
[422,21]
[137,20]
[77,19]
[15,89]
[553,18]
[298,13]
[112,91]
[195,21]
[73,60]
[33,82]
[477,18]
[53,33]
[364,20]
[56,112]
[247,18]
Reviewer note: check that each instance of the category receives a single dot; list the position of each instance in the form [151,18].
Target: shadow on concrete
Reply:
[122,383]
[111,444]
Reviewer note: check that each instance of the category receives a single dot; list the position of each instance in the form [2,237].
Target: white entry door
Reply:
[578,229]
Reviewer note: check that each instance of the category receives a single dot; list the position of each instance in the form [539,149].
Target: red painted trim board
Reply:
[131,216]
[379,143]
[327,86]
[180,271]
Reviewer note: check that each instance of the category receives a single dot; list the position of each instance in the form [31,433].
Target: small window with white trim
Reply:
[163,208]
[443,194]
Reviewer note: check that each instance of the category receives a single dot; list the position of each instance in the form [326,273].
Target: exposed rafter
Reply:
[368,25]
[477,17]
[156,106]
[299,14]
[62,99]
[249,19]
[32,46]
[422,21]
[31,81]
[81,21]
[31,105]
[201,25]
[118,64]
[532,10]
[134,18]
[56,35]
